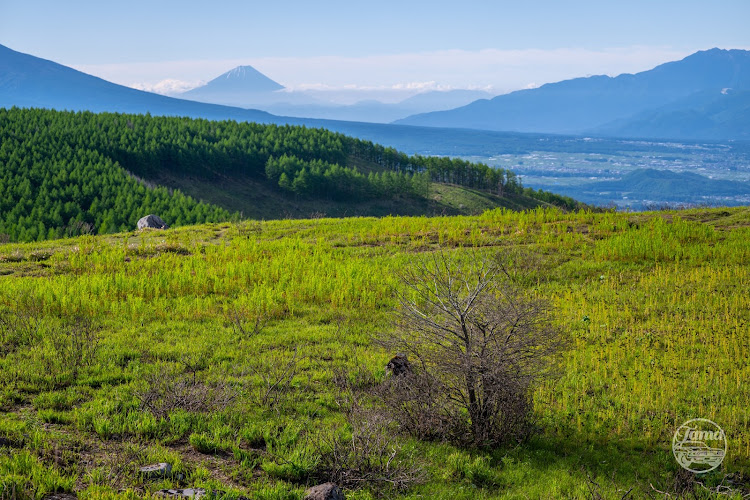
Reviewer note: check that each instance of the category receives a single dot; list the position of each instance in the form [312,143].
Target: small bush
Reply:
[75,345]
[78,228]
[166,392]
[275,380]
[20,325]
[478,345]
[370,454]
[16,256]
[40,255]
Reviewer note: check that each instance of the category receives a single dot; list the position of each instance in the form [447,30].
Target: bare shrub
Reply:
[4,238]
[167,391]
[246,325]
[75,344]
[477,345]
[19,325]
[16,256]
[371,456]
[275,381]
[78,228]
[416,401]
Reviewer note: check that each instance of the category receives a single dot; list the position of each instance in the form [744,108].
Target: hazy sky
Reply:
[383,44]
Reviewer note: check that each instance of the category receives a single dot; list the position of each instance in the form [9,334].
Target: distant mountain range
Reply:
[702,96]
[246,87]
[701,116]
[372,110]
[689,114]
[28,81]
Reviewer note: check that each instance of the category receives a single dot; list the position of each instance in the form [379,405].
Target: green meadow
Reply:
[221,349]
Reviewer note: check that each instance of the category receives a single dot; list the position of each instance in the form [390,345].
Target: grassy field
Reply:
[254,322]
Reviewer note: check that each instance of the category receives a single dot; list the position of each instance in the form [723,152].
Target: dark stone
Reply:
[156,471]
[327,491]
[399,365]
[8,443]
[153,222]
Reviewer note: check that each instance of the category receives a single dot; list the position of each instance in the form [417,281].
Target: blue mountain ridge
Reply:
[28,81]
[582,105]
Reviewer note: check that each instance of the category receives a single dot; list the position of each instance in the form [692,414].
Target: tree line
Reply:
[330,180]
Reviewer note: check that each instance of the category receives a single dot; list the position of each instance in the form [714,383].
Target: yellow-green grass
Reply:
[655,304]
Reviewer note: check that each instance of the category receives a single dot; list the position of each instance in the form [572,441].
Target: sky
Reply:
[496,45]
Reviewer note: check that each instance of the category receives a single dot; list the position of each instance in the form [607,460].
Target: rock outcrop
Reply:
[152,221]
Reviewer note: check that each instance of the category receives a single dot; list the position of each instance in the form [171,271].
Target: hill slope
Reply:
[54,184]
[234,352]
[581,104]
[61,168]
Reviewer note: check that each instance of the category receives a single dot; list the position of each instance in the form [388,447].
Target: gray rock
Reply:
[327,491]
[152,221]
[193,493]
[182,493]
[59,496]
[156,471]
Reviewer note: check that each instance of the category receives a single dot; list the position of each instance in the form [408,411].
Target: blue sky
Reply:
[498,44]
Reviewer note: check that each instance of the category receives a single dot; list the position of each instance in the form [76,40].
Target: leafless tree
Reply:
[477,344]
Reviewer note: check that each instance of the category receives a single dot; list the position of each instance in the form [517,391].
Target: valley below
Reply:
[635,174]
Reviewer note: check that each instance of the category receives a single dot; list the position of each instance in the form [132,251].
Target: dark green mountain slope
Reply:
[59,169]
[52,184]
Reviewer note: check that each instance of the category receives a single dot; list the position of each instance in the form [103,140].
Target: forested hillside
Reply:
[60,169]
[54,181]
